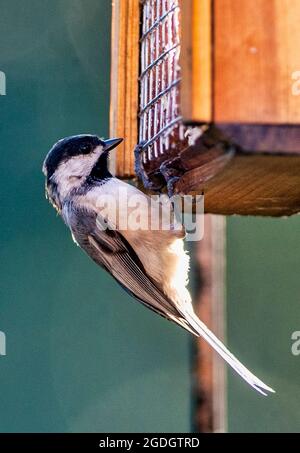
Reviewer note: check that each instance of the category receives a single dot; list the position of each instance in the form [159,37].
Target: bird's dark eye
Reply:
[86,148]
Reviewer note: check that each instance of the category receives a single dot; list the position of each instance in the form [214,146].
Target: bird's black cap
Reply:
[74,146]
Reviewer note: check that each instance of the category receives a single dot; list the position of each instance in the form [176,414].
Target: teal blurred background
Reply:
[81,355]
[263,310]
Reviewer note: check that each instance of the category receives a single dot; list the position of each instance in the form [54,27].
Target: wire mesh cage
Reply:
[155,89]
[160,126]
[163,132]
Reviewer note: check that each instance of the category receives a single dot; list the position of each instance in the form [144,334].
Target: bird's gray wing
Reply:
[109,249]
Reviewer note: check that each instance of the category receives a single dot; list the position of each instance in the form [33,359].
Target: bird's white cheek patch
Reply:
[67,176]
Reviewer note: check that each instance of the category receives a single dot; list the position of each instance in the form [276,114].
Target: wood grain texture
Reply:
[210,307]
[256,54]
[124,83]
[255,138]
[249,185]
[195,61]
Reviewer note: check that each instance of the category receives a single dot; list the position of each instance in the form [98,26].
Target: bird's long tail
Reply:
[213,341]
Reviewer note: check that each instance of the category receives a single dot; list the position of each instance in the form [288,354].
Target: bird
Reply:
[150,264]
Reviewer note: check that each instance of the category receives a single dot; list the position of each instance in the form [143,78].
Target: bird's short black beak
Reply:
[111,143]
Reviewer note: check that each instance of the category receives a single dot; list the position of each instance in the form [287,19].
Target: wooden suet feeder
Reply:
[207,94]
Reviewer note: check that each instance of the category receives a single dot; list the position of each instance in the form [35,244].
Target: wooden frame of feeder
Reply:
[263,178]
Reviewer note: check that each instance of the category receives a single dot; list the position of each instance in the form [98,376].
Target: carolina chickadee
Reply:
[151,265]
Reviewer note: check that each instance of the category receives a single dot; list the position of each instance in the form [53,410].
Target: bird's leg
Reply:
[153,183]
[172,170]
